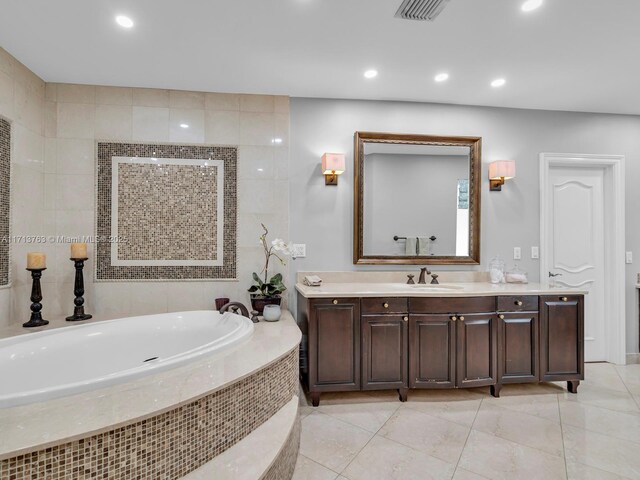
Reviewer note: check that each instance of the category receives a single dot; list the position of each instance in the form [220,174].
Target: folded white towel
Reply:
[423,245]
[312,280]
[410,247]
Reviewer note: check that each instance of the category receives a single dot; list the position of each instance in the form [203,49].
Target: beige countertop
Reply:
[461,289]
[50,422]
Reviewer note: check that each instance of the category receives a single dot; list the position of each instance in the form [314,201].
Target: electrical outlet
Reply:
[517,253]
[299,250]
[629,257]
[535,252]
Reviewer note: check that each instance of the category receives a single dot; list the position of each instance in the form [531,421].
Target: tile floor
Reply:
[532,431]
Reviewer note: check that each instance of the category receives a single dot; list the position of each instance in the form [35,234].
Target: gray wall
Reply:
[321,216]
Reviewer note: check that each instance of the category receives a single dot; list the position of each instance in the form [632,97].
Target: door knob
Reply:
[519,303]
[501,317]
[454,318]
[406,319]
[335,302]
[564,299]
[385,305]
[462,319]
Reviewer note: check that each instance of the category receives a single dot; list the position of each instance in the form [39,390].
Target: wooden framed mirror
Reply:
[416,199]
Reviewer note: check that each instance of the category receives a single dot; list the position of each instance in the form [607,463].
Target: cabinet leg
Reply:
[315,398]
[573,385]
[402,394]
[495,390]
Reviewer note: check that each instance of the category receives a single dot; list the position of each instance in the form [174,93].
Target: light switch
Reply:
[629,257]
[517,253]
[299,250]
[535,252]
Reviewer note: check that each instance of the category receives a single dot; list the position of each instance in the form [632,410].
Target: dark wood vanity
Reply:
[440,342]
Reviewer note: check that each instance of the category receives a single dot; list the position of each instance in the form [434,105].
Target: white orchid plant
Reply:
[270,287]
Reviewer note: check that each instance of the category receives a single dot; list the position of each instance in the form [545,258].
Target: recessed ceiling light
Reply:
[371,74]
[441,77]
[276,140]
[261,169]
[184,125]
[498,82]
[530,5]
[124,21]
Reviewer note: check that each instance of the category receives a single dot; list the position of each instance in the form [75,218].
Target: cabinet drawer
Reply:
[383,305]
[452,305]
[518,303]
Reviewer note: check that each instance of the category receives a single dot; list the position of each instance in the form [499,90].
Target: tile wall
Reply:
[55,130]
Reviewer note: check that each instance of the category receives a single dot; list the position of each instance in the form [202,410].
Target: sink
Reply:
[434,288]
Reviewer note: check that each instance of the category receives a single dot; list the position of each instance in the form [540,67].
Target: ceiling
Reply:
[580,55]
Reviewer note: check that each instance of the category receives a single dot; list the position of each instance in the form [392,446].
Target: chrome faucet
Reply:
[423,275]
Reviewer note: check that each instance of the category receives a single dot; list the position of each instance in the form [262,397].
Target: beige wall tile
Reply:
[74,223]
[114,122]
[28,106]
[51,92]
[281,104]
[194,119]
[222,101]
[71,93]
[256,162]
[50,192]
[222,127]
[151,124]
[50,155]
[6,95]
[150,97]
[257,103]
[256,196]
[114,95]
[281,128]
[74,192]
[76,120]
[7,62]
[28,148]
[50,119]
[5,307]
[75,156]
[184,99]
[256,128]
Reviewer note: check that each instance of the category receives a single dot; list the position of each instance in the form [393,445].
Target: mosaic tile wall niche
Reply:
[173,209]
[174,443]
[5,196]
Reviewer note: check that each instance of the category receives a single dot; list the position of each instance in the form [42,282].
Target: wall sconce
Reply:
[499,171]
[332,166]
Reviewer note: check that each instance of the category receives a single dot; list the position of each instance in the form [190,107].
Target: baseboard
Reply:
[633,358]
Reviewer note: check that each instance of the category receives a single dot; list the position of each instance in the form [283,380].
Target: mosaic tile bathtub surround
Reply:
[171,208]
[172,444]
[5,195]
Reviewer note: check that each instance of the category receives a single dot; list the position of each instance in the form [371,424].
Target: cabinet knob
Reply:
[501,317]
[385,305]
[335,302]
[519,303]
[564,299]
[406,319]
[454,318]
[461,318]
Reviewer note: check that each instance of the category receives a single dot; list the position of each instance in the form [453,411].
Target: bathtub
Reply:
[60,362]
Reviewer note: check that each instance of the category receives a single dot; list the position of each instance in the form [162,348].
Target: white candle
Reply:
[78,250]
[36,260]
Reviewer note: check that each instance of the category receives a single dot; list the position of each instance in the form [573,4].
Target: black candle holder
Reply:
[78,291]
[36,319]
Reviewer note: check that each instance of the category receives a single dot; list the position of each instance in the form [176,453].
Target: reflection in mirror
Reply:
[416,200]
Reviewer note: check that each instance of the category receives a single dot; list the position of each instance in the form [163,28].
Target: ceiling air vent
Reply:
[421,9]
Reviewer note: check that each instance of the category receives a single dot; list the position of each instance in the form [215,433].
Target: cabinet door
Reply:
[561,338]
[431,351]
[518,347]
[334,344]
[384,351]
[476,350]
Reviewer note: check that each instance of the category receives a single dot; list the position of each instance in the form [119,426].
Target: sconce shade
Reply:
[333,163]
[502,169]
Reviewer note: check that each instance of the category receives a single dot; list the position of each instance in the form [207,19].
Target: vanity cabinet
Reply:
[562,339]
[440,342]
[518,339]
[334,345]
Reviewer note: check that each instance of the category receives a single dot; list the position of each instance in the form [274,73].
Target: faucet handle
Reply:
[434,278]
[410,279]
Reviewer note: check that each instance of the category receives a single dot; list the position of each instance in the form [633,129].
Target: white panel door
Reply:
[576,244]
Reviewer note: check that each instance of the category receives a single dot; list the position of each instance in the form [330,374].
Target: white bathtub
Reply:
[55,363]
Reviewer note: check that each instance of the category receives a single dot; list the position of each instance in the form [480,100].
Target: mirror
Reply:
[417,199]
